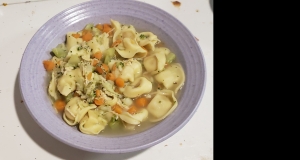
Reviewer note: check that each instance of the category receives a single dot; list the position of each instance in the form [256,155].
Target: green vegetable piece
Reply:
[109,54]
[89,26]
[60,51]
[170,57]
[74,60]
[114,123]
[69,96]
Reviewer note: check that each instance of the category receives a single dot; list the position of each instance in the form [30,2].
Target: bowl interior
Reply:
[175,36]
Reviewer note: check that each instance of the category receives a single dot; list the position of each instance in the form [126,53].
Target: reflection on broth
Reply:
[111,80]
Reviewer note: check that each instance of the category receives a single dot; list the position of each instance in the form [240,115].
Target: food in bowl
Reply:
[111,77]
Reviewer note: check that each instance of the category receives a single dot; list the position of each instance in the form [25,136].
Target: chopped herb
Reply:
[159,102]
[79,48]
[143,36]
[121,64]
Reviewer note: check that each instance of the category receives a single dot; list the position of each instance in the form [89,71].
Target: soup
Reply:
[110,79]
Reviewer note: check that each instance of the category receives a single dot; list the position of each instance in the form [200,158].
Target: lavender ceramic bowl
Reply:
[145,18]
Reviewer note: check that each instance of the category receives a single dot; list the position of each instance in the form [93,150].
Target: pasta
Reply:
[110,77]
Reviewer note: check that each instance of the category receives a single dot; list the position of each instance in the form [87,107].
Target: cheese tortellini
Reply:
[92,123]
[148,40]
[163,103]
[138,87]
[172,77]
[131,49]
[75,110]
[111,77]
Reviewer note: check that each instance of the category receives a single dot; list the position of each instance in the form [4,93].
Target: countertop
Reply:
[20,135]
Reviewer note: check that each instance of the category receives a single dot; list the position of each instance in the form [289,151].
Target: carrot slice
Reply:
[132,110]
[114,67]
[87,36]
[89,76]
[48,65]
[99,26]
[98,92]
[99,101]
[102,68]
[106,28]
[117,109]
[119,82]
[110,76]
[76,35]
[98,55]
[59,105]
[95,62]
[141,102]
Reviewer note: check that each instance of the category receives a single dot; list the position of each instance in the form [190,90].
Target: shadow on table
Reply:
[52,145]
[211,3]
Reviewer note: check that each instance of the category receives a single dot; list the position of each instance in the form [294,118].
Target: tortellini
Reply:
[131,70]
[75,110]
[66,85]
[79,50]
[125,31]
[92,123]
[161,50]
[148,40]
[109,76]
[172,77]
[131,49]
[140,86]
[52,87]
[99,43]
[163,103]
[136,118]
[72,41]
[155,63]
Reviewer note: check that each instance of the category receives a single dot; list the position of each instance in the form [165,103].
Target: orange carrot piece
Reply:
[98,92]
[132,110]
[106,28]
[59,105]
[95,62]
[85,32]
[103,68]
[114,67]
[119,82]
[99,101]
[141,102]
[117,109]
[87,36]
[98,55]
[48,65]
[99,26]
[76,35]
[110,76]
[117,42]
[89,76]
